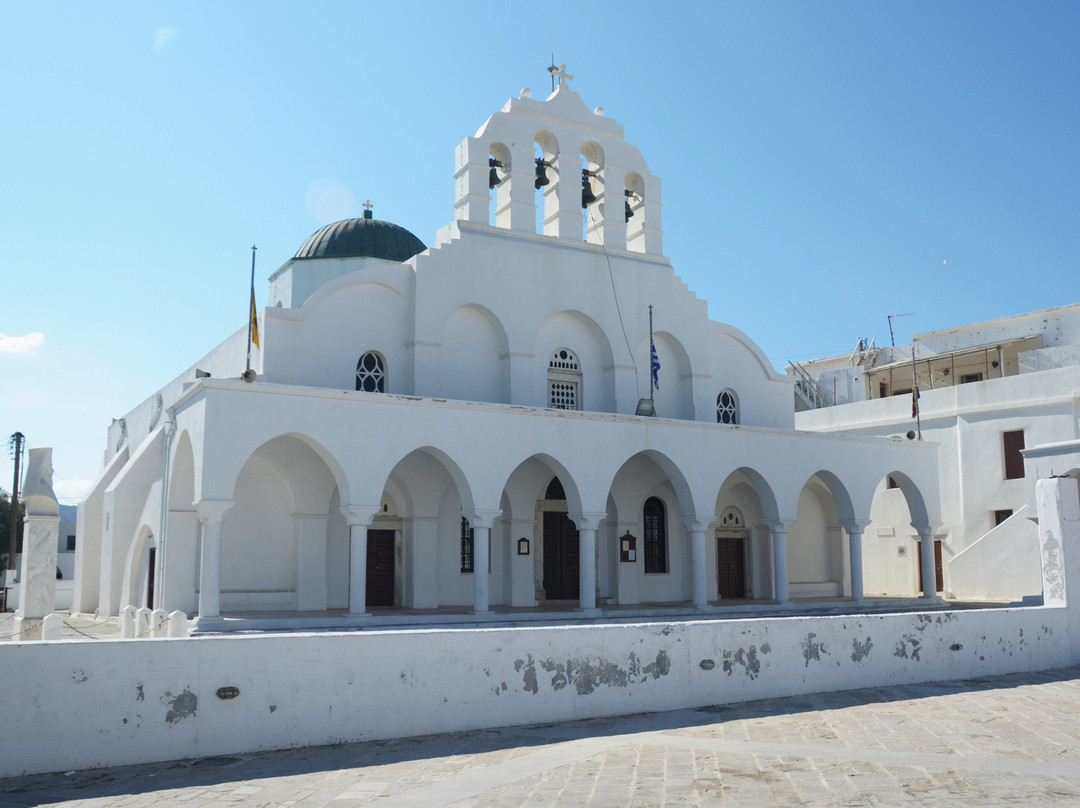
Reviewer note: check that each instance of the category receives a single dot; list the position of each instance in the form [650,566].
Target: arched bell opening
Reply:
[499,166]
[592,189]
[545,183]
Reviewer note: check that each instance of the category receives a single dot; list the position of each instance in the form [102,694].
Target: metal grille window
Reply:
[655,532]
[371,373]
[466,546]
[564,376]
[727,409]
[563,396]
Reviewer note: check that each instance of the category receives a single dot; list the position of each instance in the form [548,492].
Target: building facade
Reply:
[472,425]
[986,392]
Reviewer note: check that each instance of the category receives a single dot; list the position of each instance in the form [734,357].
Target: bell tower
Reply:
[570,164]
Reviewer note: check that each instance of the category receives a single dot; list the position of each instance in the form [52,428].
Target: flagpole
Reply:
[652,352]
[915,392]
[251,308]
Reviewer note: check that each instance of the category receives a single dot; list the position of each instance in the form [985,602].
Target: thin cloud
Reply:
[21,344]
[164,37]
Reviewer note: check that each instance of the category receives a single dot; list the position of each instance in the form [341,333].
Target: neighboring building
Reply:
[986,391]
[458,426]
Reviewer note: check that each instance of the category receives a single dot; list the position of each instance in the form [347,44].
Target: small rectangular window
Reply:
[1013,444]
[883,390]
[71,543]
[1001,516]
[967,378]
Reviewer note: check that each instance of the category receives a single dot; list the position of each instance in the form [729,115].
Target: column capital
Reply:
[698,524]
[926,529]
[586,521]
[212,510]
[855,525]
[482,517]
[359,514]
[780,525]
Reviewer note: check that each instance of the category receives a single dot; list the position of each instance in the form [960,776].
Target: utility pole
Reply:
[15,443]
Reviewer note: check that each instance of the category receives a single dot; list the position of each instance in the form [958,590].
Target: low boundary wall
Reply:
[81,704]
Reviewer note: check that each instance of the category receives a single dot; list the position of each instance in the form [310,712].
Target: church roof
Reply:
[361,238]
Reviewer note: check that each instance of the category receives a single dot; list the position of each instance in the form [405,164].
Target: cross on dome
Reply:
[368,204]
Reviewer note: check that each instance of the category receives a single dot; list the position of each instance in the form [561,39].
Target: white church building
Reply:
[471,426]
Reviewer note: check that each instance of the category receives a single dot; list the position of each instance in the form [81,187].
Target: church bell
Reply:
[541,175]
[587,196]
[493,175]
[629,210]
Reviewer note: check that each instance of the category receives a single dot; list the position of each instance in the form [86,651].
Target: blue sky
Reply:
[820,162]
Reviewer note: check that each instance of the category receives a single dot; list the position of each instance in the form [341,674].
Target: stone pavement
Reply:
[995,741]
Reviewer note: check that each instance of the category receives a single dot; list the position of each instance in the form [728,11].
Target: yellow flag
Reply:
[254,322]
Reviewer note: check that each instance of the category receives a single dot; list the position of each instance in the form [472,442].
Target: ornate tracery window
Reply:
[564,381]
[727,408]
[371,373]
[654,528]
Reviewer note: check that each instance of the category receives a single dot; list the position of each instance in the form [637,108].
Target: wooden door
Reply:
[380,568]
[562,558]
[939,570]
[730,567]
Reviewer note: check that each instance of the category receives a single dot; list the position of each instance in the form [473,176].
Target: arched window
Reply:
[371,373]
[564,381]
[727,408]
[466,546]
[655,530]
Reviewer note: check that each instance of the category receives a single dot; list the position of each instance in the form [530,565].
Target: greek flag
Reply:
[655,365]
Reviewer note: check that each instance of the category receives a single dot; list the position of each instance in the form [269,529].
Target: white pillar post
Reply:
[696,526]
[587,525]
[779,529]
[211,515]
[855,533]
[358,518]
[926,557]
[481,521]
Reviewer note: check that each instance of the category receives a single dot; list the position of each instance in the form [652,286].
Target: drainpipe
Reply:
[159,573]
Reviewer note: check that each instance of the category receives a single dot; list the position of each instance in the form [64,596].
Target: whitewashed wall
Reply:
[86,704]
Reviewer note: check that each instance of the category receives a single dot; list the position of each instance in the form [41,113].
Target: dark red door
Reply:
[939,571]
[380,568]
[562,559]
[730,569]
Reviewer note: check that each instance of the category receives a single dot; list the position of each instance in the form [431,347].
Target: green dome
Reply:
[361,238]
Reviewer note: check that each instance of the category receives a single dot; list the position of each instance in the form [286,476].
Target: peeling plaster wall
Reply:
[89,704]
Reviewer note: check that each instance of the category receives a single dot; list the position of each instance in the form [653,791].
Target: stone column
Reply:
[696,526]
[926,557]
[587,525]
[855,533]
[779,529]
[1059,541]
[566,223]
[211,515]
[358,518]
[471,198]
[518,212]
[41,531]
[481,521]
